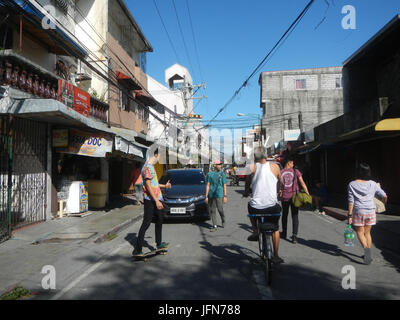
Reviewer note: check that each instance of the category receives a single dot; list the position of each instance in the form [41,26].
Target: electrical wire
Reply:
[166,31]
[263,61]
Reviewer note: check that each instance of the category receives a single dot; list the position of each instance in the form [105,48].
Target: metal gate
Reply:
[5,179]
[29,187]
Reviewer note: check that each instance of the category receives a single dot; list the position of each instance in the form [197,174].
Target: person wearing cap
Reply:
[216,195]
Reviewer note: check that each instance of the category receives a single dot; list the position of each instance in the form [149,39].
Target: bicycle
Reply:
[265,231]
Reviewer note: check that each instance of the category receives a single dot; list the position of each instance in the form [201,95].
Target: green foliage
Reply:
[16,293]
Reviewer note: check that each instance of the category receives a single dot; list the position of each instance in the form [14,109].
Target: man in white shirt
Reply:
[264,177]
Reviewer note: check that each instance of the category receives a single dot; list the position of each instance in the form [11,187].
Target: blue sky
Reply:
[233,36]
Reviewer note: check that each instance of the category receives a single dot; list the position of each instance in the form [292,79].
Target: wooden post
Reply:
[20,34]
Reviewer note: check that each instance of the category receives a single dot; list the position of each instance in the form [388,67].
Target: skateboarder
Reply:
[152,204]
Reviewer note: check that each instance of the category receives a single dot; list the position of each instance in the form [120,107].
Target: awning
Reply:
[56,39]
[128,80]
[388,125]
[144,97]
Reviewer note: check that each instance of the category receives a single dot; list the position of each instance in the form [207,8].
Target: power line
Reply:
[166,31]
[261,64]
[183,37]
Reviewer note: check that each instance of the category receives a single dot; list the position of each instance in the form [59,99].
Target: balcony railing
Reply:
[20,73]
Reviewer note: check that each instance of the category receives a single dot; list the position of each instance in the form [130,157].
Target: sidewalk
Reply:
[21,254]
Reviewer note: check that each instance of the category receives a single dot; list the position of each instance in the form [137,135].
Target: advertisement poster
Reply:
[60,138]
[83,197]
[81,102]
[88,144]
[66,93]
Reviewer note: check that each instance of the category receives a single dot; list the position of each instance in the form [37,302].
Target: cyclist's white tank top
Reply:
[264,187]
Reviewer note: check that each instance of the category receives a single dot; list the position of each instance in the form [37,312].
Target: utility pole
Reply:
[300,121]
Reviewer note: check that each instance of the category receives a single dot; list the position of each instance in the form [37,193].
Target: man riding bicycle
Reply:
[264,178]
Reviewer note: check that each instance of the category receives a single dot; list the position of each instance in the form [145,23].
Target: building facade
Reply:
[298,99]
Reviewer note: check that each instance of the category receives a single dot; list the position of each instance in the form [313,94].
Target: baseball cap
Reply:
[217,162]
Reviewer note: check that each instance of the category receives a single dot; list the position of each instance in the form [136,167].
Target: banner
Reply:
[81,102]
[88,144]
[74,97]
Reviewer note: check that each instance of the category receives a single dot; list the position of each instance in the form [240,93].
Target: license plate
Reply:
[178,210]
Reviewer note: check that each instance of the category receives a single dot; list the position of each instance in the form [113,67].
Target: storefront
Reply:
[80,169]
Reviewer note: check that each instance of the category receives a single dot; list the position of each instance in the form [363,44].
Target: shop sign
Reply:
[60,138]
[74,97]
[88,144]
[81,102]
[292,135]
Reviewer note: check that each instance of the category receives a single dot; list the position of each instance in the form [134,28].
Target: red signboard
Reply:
[81,102]
[74,97]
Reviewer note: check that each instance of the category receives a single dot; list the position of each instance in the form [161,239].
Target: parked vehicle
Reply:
[186,198]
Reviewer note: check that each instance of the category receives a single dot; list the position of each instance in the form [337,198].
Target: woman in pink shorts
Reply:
[361,193]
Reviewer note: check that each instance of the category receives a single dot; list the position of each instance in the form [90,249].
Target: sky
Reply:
[232,37]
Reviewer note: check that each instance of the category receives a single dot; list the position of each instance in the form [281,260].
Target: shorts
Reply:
[364,219]
[274,220]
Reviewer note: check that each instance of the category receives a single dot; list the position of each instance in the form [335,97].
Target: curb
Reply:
[336,213]
[118,228]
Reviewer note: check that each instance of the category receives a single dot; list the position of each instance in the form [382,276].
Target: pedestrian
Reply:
[152,204]
[361,193]
[320,197]
[289,187]
[138,184]
[216,195]
[264,177]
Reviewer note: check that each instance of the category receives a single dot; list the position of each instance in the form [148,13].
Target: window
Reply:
[123,99]
[301,84]
[339,82]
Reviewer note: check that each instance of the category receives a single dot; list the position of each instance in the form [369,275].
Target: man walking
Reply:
[216,195]
[264,178]
[152,205]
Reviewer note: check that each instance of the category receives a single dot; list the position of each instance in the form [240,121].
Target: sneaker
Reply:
[277,260]
[163,245]
[323,213]
[294,239]
[137,253]
[316,211]
[253,237]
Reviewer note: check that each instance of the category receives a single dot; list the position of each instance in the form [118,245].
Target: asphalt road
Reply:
[204,265]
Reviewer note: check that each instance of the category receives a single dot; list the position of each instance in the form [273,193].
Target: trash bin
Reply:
[97,191]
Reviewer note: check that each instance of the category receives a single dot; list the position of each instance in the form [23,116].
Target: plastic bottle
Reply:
[349,236]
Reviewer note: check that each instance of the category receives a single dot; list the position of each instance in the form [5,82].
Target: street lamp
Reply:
[253,115]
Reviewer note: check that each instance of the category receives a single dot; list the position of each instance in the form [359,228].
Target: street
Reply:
[204,265]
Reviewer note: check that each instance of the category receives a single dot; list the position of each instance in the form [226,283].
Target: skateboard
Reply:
[146,255]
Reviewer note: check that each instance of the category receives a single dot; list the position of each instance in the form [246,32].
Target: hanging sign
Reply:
[81,102]
[74,97]
[88,144]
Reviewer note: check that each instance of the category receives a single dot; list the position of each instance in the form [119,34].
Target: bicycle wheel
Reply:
[268,262]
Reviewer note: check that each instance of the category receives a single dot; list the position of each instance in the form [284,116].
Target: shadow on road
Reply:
[327,248]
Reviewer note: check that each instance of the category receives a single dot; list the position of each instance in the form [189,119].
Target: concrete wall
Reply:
[319,102]
[91,29]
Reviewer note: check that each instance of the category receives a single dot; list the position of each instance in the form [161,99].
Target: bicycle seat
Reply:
[268,227]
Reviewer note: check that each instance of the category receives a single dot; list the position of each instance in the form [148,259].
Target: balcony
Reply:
[22,74]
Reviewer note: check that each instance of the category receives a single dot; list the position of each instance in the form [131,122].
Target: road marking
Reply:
[87,272]
[263,289]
